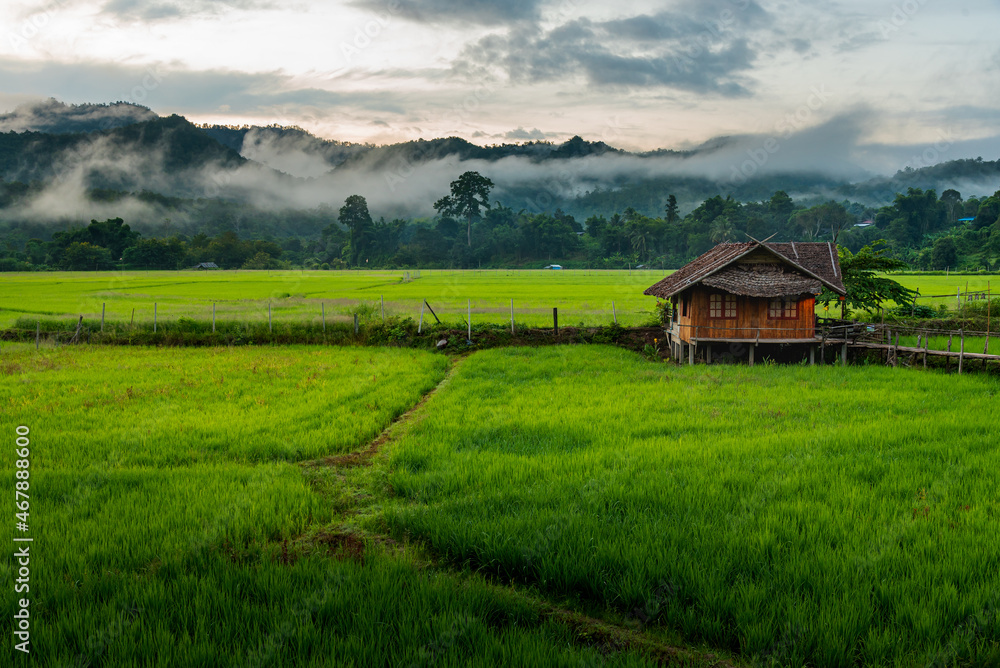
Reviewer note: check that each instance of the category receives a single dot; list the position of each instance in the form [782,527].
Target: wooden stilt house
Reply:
[748,293]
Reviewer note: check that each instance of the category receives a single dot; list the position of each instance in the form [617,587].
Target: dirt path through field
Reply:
[362,457]
[608,635]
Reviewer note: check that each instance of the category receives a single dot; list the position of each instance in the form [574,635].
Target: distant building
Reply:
[206,265]
[748,293]
[554,266]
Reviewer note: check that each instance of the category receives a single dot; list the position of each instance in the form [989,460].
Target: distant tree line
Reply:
[923,230]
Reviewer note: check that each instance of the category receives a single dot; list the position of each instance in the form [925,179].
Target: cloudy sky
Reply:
[639,75]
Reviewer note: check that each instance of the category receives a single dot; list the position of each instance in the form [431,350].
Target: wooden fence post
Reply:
[132,321]
[469,319]
[927,337]
[512,317]
[322,309]
[76,336]
[961,352]
[947,359]
[382,297]
[614,312]
[555,321]
[38,333]
[102,316]
[213,317]
[154,317]
[269,317]
[355,323]
[420,326]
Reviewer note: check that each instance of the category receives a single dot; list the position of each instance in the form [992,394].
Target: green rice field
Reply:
[794,515]
[944,289]
[173,525]
[588,297]
[574,505]
[582,296]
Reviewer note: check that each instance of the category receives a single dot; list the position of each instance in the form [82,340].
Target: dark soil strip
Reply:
[362,457]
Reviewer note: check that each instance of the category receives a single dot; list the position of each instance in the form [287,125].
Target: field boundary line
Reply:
[362,457]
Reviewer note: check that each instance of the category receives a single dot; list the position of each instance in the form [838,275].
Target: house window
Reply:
[722,307]
[783,309]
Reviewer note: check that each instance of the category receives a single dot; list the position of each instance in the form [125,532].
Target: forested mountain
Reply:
[55,117]
[134,156]
[217,193]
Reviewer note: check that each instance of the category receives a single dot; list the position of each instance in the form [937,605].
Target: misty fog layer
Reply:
[293,170]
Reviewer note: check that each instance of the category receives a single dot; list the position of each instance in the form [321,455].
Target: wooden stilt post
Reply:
[752,347]
[812,355]
[843,354]
[692,349]
[708,353]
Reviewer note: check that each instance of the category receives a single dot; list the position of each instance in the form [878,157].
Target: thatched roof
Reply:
[793,269]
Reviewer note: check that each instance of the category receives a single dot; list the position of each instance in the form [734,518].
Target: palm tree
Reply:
[722,230]
[638,238]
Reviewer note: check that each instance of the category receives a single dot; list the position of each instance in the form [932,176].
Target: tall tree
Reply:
[355,217]
[671,210]
[951,198]
[470,193]
[830,216]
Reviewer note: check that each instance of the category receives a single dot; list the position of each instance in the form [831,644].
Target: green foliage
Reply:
[829,218]
[913,311]
[83,256]
[355,217]
[866,288]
